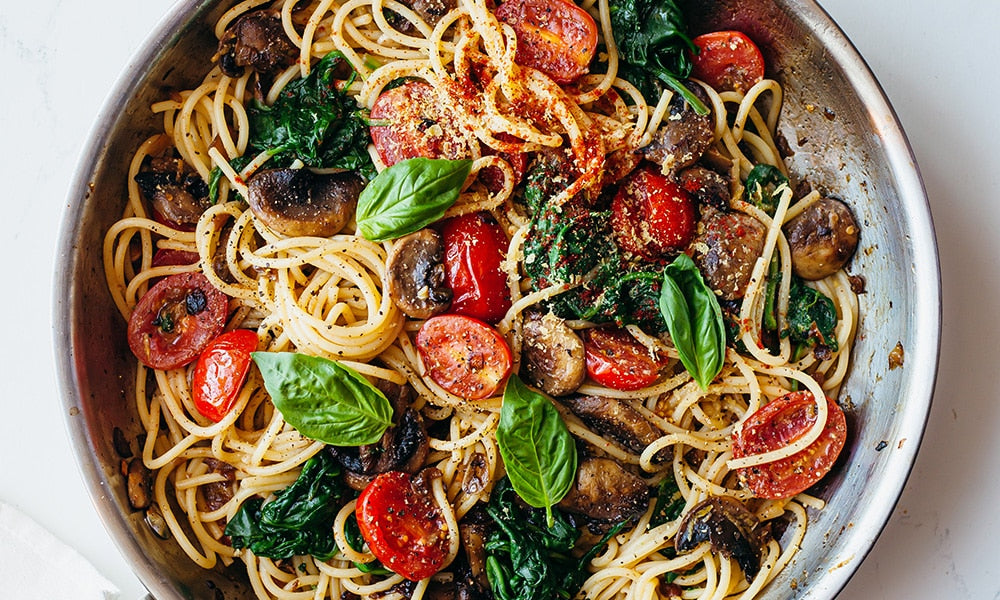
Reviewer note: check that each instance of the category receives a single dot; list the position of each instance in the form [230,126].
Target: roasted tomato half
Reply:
[617,360]
[557,37]
[403,525]
[652,216]
[175,320]
[778,424]
[727,60]
[464,356]
[474,248]
[409,121]
[221,370]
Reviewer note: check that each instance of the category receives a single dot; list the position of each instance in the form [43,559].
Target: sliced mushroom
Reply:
[726,249]
[605,491]
[682,137]
[416,276]
[177,193]
[473,536]
[476,474]
[553,354]
[430,11]
[138,483]
[218,493]
[298,202]
[822,238]
[256,40]
[706,186]
[616,419]
[729,527]
[403,447]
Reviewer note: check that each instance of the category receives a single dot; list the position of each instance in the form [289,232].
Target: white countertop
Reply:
[938,64]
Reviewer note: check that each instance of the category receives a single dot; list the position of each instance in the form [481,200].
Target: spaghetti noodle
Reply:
[327,296]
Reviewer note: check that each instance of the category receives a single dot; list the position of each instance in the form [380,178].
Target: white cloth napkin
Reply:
[34,565]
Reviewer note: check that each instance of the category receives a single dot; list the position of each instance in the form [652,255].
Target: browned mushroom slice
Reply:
[706,186]
[822,238]
[615,419]
[726,249]
[473,536]
[176,192]
[729,527]
[416,276]
[430,11]
[682,137]
[298,202]
[256,40]
[138,483]
[553,354]
[605,491]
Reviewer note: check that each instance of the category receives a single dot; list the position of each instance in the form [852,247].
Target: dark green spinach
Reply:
[299,520]
[357,543]
[323,399]
[409,195]
[538,450]
[764,186]
[694,320]
[669,502]
[812,317]
[528,559]
[314,121]
[654,47]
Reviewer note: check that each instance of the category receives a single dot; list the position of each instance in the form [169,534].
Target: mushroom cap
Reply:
[298,202]
[416,275]
[822,238]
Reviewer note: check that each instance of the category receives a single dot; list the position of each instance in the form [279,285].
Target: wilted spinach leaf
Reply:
[314,122]
[527,560]
[763,187]
[812,317]
[654,47]
[299,520]
[669,502]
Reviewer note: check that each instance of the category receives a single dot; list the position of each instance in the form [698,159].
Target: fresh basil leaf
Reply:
[694,320]
[409,195]
[299,520]
[323,399]
[764,184]
[537,448]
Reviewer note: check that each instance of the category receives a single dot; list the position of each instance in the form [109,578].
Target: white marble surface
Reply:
[938,64]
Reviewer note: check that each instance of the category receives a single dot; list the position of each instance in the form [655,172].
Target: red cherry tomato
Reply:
[403,525]
[221,370]
[474,247]
[415,125]
[492,177]
[464,355]
[168,257]
[727,60]
[651,215]
[779,423]
[557,37]
[617,360]
[175,320]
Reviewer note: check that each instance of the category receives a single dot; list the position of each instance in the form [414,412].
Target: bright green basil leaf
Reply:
[323,399]
[694,320]
[409,195]
[537,448]
[299,520]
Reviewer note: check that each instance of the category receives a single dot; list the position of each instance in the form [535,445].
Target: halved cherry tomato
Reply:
[221,370]
[474,247]
[403,525]
[415,125]
[779,423]
[727,60]
[617,360]
[175,320]
[165,257]
[464,355]
[557,37]
[651,215]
